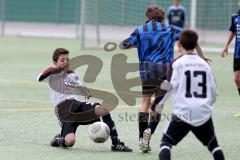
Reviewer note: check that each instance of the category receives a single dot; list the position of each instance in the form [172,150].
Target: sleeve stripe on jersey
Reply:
[163,27]
[154,26]
[145,28]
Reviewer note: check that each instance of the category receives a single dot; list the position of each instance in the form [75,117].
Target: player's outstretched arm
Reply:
[126,44]
[50,71]
[225,49]
[130,42]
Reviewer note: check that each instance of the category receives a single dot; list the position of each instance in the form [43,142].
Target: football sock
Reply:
[142,122]
[165,152]
[216,150]
[113,131]
[239,91]
[154,122]
[218,155]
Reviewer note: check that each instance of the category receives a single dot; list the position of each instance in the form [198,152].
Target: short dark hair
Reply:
[189,39]
[58,52]
[155,12]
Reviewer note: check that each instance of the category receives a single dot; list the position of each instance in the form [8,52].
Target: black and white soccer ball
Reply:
[99,132]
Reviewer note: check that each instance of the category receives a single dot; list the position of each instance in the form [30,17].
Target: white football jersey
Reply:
[60,90]
[194,89]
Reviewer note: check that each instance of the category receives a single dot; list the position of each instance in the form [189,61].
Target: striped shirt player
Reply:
[177,15]
[234,32]
[154,41]
[64,86]
[194,93]
[155,44]
[235,28]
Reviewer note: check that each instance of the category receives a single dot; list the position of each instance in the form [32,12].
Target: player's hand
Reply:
[224,52]
[152,112]
[64,66]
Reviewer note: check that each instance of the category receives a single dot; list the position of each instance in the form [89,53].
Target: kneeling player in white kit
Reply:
[63,83]
[194,91]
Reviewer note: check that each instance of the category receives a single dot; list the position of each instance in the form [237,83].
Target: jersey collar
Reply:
[190,53]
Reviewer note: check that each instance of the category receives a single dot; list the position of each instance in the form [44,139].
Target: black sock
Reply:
[165,154]
[142,123]
[218,155]
[154,123]
[216,150]
[239,91]
[113,131]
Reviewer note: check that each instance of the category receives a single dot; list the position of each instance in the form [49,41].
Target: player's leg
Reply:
[236,68]
[206,135]
[84,113]
[67,136]
[160,74]
[117,145]
[154,120]
[143,121]
[175,131]
[143,115]
[68,113]
[149,131]
[237,80]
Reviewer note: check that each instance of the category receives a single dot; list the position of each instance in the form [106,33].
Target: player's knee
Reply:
[212,145]
[237,81]
[146,102]
[70,140]
[100,110]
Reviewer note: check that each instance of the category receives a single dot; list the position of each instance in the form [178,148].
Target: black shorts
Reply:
[152,75]
[81,113]
[236,64]
[178,129]
[151,87]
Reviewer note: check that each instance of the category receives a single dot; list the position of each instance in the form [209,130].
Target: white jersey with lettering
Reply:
[194,89]
[62,85]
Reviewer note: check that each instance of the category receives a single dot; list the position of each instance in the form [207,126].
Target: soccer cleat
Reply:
[144,142]
[120,147]
[144,148]
[55,141]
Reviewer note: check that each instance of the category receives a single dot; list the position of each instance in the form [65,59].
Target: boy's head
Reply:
[176,2]
[60,58]
[188,40]
[155,13]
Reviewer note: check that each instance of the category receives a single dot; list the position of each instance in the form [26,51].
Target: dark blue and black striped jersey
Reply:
[177,16]
[235,28]
[155,41]
[155,44]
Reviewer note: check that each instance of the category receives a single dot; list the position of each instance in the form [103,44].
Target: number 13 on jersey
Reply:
[201,90]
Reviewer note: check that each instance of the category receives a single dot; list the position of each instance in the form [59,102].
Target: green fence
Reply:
[211,14]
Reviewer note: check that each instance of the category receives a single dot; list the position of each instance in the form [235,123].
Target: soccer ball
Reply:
[99,132]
